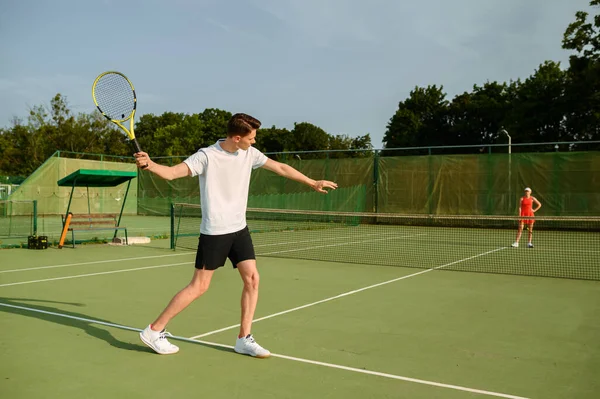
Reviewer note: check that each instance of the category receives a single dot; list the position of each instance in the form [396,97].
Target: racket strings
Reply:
[115,96]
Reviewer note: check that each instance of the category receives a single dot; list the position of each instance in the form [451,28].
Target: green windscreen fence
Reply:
[268,190]
[489,184]
[566,183]
[53,200]
[17,218]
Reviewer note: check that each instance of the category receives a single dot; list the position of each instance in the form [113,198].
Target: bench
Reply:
[93,222]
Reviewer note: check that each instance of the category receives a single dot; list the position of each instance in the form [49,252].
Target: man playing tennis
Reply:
[224,173]
[526,209]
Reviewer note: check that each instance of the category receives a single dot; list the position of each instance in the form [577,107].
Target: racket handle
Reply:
[136,148]
[136,145]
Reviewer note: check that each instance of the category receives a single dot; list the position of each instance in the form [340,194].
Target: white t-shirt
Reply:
[224,182]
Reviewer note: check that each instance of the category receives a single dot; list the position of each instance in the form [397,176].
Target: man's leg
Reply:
[245,343]
[154,335]
[250,277]
[198,286]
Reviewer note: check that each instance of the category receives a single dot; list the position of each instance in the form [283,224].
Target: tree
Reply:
[477,117]
[421,120]
[308,137]
[25,146]
[273,139]
[361,143]
[344,142]
[173,134]
[214,126]
[158,135]
[85,133]
[584,37]
[540,105]
[14,151]
[582,119]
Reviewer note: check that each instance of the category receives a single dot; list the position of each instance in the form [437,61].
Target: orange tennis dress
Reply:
[527,209]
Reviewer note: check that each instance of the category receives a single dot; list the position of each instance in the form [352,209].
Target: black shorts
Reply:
[213,250]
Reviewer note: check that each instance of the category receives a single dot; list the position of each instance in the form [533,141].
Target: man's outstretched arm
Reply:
[289,172]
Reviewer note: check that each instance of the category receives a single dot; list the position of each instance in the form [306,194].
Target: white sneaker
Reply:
[157,340]
[248,346]
[529,245]
[515,245]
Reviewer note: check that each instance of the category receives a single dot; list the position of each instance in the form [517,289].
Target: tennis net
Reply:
[18,218]
[565,247]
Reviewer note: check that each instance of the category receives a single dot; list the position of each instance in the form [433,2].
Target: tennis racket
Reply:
[114,96]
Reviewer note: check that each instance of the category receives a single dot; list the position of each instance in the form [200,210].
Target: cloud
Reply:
[7,85]
[218,24]
[22,93]
[324,23]
[150,98]
[31,86]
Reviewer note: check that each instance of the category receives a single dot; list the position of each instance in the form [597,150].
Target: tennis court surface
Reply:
[432,326]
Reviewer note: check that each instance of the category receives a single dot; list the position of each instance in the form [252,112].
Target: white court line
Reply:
[66,316]
[160,256]
[348,293]
[94,262]
[538,248]
[396,377]
[140,268]
[94,274]
[296,359]
[340,244]
[316,240]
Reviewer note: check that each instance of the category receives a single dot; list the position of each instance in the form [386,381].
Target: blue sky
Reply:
[341,64]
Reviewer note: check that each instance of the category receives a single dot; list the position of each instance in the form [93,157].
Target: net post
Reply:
[555,182]
[34,217]
[172,211]
[430,183]
[376,181]
[490,185]
[87,187]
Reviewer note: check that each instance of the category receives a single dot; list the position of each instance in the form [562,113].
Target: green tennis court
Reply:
[337,329]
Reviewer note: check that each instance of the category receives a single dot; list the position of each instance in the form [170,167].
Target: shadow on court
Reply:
[87,326]
[70,319]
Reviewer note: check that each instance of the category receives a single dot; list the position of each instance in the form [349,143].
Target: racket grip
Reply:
[136,145]
[136,148]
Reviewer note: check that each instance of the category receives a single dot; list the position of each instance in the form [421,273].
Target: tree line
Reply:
[27,144]
[553,104]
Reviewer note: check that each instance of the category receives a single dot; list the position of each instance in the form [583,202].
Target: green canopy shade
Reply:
[96,178]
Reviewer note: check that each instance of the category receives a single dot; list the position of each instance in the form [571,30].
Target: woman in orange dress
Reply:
[526,209]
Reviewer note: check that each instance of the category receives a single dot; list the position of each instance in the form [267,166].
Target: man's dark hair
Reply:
[242,125]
